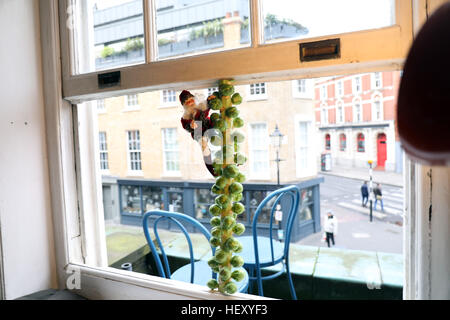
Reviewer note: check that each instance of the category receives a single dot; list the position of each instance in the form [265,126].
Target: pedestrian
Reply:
[378,196]
[330,227]
[364,194]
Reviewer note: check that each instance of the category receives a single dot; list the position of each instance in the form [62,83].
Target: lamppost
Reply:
[276,138]
[370,187]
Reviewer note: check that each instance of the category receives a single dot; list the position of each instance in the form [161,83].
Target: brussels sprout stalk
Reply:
[229,189]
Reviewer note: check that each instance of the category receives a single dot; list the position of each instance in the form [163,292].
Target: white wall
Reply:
[25,209]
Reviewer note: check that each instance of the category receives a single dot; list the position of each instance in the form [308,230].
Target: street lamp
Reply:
[276,138]
[370,162]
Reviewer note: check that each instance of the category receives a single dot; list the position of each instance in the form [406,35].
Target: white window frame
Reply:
[256,96]
[75,241]
[133,106]
[374,80]
[324,114]
[258,175]
[357,101]
[323,92]
[357,88]
[168,104]
[307,91]
[101,107]
[377,97]
[301,171]
[103,149]
[339,93]
[166,172]
[131,171]
[340,104]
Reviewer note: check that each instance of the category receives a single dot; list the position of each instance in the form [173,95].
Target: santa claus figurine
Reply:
[197,111]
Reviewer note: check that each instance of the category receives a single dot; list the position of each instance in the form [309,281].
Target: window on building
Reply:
[302,88]
[103,151]
[257,91]
[377,109]
[303,144]
[357,111]
[342,142]
[259,151]
[340,113]
[132,101]
[324,116]
[327,142]
[171,151]
[101,105]
[377,80]
[168,97]
[339,89]
[134,150]
[360,142]
[323,92]
[211,90]
[357,85]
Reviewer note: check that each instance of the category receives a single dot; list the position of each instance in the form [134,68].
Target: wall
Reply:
[25,213]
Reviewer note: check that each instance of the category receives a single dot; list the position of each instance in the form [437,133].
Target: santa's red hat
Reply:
[184,95]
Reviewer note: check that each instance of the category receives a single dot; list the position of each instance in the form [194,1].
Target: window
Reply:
[360,143]
[342,142]
[132,102]
[302,88]
[101,105]
[357,112]
[377,80]
[303,145]
[134,151]
[203,199]
[340,113]
[357,85]
[171,151]
[259,151]
[323,92]
[168,98]
[327,142]
[324,116]
[339,89]
[211,90]
[257,91]
[103,151]
[377,109]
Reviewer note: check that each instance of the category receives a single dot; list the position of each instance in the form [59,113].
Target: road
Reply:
[355,231]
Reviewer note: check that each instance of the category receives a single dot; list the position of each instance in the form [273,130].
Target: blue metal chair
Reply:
[261,251]
[197,272]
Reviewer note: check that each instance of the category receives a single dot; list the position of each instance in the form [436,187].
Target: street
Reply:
[355,231]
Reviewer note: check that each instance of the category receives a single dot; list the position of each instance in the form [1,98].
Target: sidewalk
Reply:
[385,178]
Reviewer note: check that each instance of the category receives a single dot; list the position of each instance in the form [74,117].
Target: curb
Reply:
[359,179]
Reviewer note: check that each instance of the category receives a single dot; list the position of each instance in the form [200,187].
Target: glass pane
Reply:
[176,201]
[287,19]
[306,205]
[188,27]
[131,199]
[256,197]
[203,198]
[108,34]
[152,198]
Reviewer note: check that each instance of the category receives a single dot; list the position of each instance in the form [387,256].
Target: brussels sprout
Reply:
[237,261]
[239,248]
[237,207]
[215,269]
[212,284]
[220,256]
[214,103]
[225,274]
[223,201]
[216,190]
[236,98]
[226,89]
[239,229]
[237,136]
[236,197]
[215,242]
[221,182]
[231,171]
[239,159]
[230,288]
[237,147]
[231,244]
[228,222]
[216,232]
[240,178]
[238,123]
[226,81]
[232,112]
[215,210]
[215,221]
[215,116]
[238,275]
[212,263]
[216,141]
[236,187]
[220,124]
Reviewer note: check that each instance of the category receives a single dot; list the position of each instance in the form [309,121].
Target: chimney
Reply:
[232,30]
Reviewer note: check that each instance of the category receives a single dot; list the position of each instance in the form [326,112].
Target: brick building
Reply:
[355,116]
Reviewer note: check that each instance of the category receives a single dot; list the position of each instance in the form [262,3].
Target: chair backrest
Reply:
[291,192]
[177,218]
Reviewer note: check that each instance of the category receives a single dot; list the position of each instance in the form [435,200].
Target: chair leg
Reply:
[291,283]
[259,280]
[251,273]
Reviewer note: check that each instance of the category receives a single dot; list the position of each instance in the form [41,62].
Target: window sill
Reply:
[171,174]
[256,98]
[166,106]
[133,108]
[135,173]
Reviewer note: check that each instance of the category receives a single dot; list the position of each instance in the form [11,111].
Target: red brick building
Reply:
[355,116]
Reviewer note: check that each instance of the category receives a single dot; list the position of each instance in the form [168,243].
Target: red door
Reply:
[381,150]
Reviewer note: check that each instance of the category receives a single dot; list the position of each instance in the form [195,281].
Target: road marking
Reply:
[362,210]
[387,207]
[360,235]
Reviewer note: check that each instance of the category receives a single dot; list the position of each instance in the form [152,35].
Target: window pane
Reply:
[198,26]
[131,199]
[287,19]
[152,198]
[108,34]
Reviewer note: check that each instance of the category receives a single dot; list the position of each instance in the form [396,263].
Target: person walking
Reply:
[364,193]
[330,227]
[378,196]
